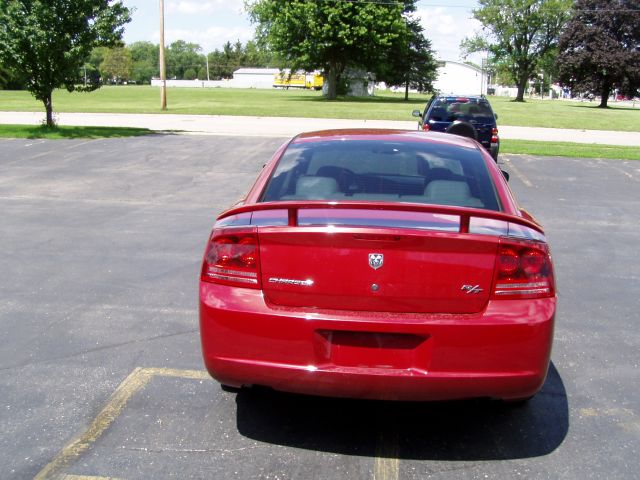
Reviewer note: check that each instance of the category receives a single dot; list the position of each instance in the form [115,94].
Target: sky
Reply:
[212,23]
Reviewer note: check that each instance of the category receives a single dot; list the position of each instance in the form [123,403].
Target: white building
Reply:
[460,78]
[254,77]
[242,78]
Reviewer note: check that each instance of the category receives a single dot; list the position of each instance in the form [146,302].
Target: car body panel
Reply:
[417,271]
[326,318]
[501,352]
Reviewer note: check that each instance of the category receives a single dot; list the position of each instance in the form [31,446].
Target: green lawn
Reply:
[39,131]
[566,149]
[296,103]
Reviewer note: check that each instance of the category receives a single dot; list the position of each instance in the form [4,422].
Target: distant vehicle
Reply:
[470,116]
[310,81]
[381,264]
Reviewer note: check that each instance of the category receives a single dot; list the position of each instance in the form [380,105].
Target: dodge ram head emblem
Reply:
[376,260]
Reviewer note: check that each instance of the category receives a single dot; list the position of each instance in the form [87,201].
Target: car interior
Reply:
[383,173]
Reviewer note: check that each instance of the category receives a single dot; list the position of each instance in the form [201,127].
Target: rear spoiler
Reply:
[465,213]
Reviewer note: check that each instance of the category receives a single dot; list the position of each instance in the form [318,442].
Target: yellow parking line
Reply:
[518,173]
[172,372]
[387,465]
[136,381]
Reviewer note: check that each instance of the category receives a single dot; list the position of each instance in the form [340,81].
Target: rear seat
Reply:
[312,187]
[439,192]
[447,192]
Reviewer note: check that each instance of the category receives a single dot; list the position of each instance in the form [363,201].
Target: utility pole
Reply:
[163,70]
[207,57]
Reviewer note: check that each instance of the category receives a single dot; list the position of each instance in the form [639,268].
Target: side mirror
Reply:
[505,175]
[495,115]
[417,113]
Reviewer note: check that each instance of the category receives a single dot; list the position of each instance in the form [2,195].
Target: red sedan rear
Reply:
[379,264]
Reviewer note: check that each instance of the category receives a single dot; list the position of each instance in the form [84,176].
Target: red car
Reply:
[379,264]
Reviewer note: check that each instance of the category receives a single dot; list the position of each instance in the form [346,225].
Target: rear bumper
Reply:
[502,352]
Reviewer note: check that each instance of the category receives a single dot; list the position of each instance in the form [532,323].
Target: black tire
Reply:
[463,129]
[229,388]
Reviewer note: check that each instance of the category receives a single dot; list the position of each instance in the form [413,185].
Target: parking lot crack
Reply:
[191,450]
[98,349]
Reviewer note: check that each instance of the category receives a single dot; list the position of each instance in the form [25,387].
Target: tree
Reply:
[145,58]
[257,56]
[600,48]
[222,63]
[328,35]
[92,64]
[518,34]
[182,56]
[116,64]
[410,62]
[50,41]
[10,80]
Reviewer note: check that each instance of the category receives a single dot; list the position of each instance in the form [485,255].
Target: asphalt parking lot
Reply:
[100,367]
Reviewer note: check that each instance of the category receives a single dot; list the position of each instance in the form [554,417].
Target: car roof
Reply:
[461,95]
[384,135]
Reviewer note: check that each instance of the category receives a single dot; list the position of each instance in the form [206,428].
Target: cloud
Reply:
[186,7]
[446,30]
[209,39]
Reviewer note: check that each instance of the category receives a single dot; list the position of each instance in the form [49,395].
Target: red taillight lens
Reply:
[532,262]
[494,135]
[232,258]
[524,270]
[425,127]
[508,261]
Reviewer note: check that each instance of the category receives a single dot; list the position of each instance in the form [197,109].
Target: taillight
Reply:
[425,127]
[494,135]
[232,258]
[523,270]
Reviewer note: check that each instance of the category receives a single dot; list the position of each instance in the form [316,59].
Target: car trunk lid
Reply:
[382,270]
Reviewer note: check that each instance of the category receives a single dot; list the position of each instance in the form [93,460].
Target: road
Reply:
[288,127]
[100,367]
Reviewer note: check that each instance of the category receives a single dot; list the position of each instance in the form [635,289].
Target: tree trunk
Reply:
[604,94]
[48,105]
[406,91]
[332,88]
[522,85]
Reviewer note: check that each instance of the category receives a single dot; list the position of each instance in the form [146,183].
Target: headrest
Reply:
[316,186]
[447,189]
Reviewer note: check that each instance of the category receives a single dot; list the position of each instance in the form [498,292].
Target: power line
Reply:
[467,7]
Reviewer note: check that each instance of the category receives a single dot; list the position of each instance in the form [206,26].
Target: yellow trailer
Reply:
[311,81]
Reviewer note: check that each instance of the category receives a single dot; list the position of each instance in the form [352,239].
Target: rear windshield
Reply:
[449,109]
[366,170]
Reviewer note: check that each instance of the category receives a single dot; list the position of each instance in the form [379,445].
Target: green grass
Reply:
[566,114]
[218,101]
[297,103]
[39,131]
[566,149]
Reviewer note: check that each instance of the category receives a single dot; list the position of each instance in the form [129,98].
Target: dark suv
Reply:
[470,116]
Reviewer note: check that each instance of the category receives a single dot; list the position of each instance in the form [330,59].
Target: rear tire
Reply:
[229,388]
